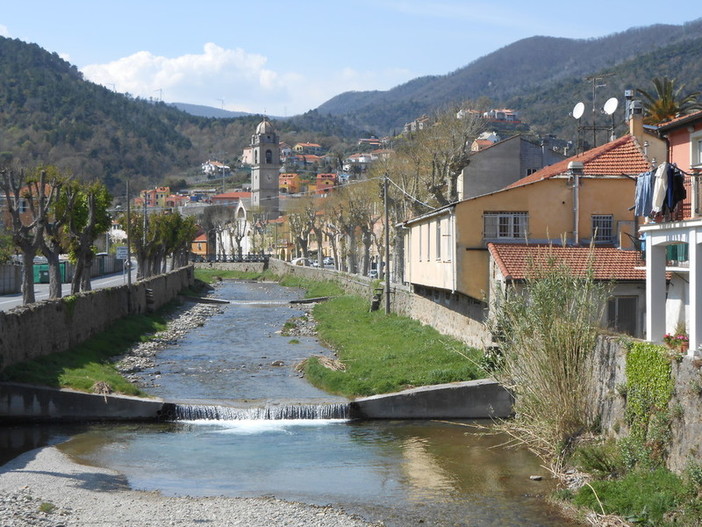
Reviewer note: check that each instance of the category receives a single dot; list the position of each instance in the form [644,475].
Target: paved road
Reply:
[41,291]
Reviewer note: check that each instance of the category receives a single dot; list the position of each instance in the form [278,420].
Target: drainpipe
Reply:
[576,170]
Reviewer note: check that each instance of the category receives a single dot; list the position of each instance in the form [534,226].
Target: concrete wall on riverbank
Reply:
[481,399]
[50,326]
[22,403]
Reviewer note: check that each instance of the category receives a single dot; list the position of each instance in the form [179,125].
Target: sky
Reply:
[284,58]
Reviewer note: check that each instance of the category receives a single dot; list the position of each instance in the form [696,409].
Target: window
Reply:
[510,225]
[22,206]
[602,228]
[621,314]
[420,241]
[428,242]
[438,240]
[697,154]
[269,156]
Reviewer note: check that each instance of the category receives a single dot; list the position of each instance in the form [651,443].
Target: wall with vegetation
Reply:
[652,397]
[50,326]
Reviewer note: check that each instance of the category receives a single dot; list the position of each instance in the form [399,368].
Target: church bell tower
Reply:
[265,149]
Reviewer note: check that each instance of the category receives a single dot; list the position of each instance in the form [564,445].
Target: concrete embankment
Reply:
[26,403]
[480,399]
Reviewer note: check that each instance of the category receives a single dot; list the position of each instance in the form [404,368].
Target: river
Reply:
[400,472]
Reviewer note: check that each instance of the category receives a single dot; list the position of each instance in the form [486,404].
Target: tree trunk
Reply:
[28,277]
[52,257]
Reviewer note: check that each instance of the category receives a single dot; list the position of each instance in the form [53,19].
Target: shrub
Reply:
[546,332]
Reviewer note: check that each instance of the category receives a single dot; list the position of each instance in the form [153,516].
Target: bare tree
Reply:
[29,200]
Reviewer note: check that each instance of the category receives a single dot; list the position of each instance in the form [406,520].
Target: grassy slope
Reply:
[90,362]
[384,353]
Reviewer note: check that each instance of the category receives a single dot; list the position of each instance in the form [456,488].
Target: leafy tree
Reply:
[89,218]
[668,101]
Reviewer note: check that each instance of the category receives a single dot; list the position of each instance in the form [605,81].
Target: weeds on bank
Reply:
[212,276]
[384,353]
[89,363]
[313,288]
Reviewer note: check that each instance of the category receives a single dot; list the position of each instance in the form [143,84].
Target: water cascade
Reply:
[186,412]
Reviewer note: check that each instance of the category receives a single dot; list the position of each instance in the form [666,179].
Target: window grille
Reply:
[509,225]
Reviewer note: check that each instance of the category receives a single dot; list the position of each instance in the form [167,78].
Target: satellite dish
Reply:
[611,106]
[578,110]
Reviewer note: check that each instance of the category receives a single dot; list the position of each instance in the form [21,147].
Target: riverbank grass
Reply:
[89,364]
[211,276]
[384,353]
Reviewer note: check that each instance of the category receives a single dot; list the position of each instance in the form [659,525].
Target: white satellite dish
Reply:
[611,106]
[578,110]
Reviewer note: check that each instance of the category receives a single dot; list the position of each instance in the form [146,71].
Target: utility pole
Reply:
[387,245]
[129,255]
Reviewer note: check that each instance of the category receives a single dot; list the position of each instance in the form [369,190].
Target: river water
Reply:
[400,472]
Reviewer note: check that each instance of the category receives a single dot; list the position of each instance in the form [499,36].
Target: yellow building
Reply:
[584,198]
[289,183]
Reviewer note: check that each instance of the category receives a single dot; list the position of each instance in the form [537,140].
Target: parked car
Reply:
[328,260]
[373,273]
[304,262]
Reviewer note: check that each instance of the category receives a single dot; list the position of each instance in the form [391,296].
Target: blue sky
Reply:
[297,55]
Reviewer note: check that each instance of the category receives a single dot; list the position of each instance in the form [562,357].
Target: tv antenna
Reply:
[577,113]
[609,108]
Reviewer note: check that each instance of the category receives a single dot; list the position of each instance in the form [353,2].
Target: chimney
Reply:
[636,121]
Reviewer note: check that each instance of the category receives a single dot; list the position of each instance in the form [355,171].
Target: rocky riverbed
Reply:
[142,356]
[44,488]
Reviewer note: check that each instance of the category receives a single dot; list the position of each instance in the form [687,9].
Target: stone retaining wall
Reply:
[50,326]
[685,405]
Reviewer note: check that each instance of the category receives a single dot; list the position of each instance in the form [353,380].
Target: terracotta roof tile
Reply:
[679,121]
[621,156]
[608,263]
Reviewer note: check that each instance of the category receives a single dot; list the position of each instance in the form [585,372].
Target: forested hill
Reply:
[537,64]
[50,115]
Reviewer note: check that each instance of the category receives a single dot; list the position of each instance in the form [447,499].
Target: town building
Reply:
[265,169]
[503,162]
[459,254]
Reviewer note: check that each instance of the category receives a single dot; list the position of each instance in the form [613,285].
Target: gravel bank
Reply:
[45,488]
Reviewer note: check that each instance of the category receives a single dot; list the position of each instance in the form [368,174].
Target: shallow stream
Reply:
[400,472]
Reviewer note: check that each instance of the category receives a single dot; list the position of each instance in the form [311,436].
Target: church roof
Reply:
[265,127]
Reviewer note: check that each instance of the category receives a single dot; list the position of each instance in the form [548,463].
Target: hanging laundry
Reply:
[676,188]
[643,201]
[660,189]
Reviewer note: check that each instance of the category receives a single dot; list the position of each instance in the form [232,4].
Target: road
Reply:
[41,291]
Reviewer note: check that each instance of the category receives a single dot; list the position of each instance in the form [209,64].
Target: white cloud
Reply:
[4,32]
[239,78]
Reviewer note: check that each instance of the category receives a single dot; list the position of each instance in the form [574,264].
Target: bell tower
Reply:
[265,149]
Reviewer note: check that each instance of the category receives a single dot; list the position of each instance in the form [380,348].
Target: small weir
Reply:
[187,412]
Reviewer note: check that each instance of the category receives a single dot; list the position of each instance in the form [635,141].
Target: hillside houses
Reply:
[461,253]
